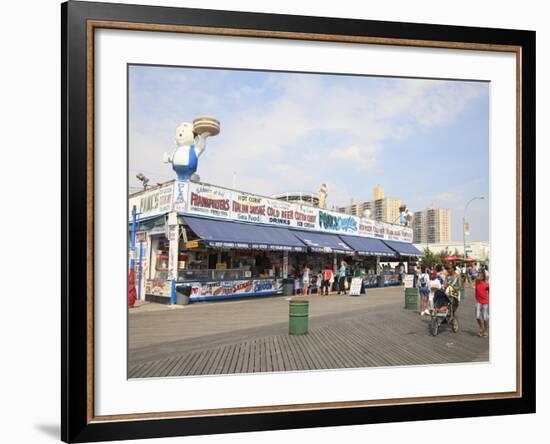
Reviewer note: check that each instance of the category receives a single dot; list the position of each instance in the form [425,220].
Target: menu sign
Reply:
[406,235]
[246,207]
[408,280]
[355,287]
[152,202]
[306,217]
[338,223]
[366,227]
[214,201]
[211,201]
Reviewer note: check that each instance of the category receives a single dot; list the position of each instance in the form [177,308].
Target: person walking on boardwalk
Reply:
[305,279]
[342,277]
[319,282]
[424,290]
[297,283]
[453,285]
[435,284]
[482,304]
[441,275]
[328,279]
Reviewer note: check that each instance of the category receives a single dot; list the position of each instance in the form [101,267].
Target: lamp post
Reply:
[131,277]
[144,180]
[463,290]
[464,222]
[427,248]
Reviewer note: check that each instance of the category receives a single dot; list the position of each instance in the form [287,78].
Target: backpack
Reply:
[423,282]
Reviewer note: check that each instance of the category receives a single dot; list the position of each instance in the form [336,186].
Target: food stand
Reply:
[222,243]
[222,274]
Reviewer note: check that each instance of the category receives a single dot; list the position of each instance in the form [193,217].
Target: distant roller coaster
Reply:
[306,197]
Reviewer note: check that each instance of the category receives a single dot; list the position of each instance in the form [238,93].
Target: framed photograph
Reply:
[275,221]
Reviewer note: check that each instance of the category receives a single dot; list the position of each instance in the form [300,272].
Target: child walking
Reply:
[297,284]
[424,290]
[482,304]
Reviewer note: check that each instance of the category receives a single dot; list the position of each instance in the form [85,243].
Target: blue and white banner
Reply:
[194,198]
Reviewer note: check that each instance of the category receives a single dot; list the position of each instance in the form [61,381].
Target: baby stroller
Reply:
[443,311]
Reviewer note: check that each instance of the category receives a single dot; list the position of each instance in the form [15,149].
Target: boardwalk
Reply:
[252,336]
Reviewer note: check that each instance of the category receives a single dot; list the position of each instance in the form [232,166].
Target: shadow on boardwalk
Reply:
[345,332]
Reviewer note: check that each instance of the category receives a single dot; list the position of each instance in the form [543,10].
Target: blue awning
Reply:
[151,223]
[367,246]
[403,248]
[323,243]
[226,234]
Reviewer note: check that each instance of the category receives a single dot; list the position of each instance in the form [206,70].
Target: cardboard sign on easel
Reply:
[408,280]
[355,287]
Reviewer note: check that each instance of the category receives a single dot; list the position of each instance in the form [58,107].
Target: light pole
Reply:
[427,248]
[464,222]
[144,180]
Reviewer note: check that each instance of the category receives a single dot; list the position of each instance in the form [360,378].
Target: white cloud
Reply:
[354,155]
[427,103]
[295,131]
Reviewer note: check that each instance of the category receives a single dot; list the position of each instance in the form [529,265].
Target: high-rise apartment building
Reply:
[432,225]
[383,209]
[419,226]
[378,192]
[387,210]
[356,208]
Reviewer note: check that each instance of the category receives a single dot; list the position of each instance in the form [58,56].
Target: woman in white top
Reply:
[434,284]
[423,282]
[305,279]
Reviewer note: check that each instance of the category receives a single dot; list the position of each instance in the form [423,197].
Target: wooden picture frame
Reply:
[79,22]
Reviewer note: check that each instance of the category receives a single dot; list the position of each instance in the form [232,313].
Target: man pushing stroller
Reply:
[445,302]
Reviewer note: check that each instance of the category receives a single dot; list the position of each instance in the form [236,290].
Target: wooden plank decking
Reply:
[373,333]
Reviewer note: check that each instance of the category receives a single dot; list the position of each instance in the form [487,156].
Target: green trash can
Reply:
[298,317]
[411,298]
[288,287]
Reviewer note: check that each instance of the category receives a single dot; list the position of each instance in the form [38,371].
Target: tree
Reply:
[428,259]
[442,255]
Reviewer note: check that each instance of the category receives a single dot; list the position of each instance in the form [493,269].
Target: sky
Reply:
[426,141]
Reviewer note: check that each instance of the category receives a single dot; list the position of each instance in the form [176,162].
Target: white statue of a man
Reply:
[189,147]
[323,191]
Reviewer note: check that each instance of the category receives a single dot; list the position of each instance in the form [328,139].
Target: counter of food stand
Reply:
[371,280]
[237,288]
[390,279]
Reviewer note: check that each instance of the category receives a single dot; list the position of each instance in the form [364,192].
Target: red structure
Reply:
[132,295]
